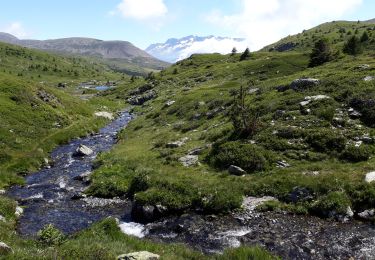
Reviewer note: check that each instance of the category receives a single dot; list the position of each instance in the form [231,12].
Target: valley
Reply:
[263,155]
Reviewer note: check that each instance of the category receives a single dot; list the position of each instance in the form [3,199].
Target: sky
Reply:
[144,22]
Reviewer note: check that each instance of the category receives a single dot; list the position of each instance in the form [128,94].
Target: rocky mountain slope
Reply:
[120,55]
[177,49]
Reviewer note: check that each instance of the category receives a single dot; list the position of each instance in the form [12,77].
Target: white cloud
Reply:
[264,22]
[142,9]
[212,45]
[16,29]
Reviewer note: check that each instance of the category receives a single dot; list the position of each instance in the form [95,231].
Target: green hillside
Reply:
[35,114]
[337,32]
[275,136]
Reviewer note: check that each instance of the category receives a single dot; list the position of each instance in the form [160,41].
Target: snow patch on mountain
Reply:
[177,49]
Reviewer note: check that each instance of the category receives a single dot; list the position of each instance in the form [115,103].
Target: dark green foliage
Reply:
[321,53]
[364,37]
[249,157]
[356,154]
[326,141]
[245,119]
[50,236]
[353,46]
[331,204]
[245,55]
[140,182]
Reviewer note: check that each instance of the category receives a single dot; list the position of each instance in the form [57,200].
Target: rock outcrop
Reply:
[142,255]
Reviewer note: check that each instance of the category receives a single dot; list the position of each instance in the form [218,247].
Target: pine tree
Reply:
[364,37]
[234,51]
[321,53]
[245,55]
[353,46]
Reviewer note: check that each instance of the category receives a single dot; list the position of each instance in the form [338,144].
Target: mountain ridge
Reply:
[120,55]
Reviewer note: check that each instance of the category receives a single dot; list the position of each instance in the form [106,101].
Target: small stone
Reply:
[2,192]
[235,170]
[370,177]
[19,211]
[189,160]
[282,164]
[106,115]
[142,255]
[5,249]
[367,214]
[2,218]
[369,78]
[170,103]
[362,67]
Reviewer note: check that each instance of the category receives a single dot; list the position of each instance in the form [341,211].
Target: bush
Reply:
[326,141]
[353,46]
[249,157]
[50,236]
[331,204]
[321,53]
[356,154]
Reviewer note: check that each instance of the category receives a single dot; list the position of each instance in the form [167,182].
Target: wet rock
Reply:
[103,114]
[19,211]
[300,194]
[370,177]
[302,84]
[83,150]
[84,177]
[142,255]
[235,170]
[78,196]
[367,214]
[349,212]
[189,160]
[5,249]
[99,202]
[369,78]
[143,213]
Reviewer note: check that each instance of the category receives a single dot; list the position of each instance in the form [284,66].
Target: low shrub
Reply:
[331,204]
[326,141]
[356,154]
[249,157]
[50,236]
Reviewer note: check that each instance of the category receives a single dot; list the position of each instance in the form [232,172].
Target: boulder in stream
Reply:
[83,150]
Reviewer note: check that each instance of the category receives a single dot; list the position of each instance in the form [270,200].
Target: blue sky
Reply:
[261,22]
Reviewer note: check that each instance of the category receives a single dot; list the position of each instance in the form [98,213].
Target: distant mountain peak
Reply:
[176,49]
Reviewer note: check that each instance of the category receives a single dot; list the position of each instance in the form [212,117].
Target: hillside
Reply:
[337,32]
[198,145]
[120,55]
[35,114]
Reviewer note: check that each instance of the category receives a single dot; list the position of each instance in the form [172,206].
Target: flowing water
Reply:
[48,196]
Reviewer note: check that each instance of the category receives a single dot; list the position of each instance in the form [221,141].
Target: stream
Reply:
[53,195]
